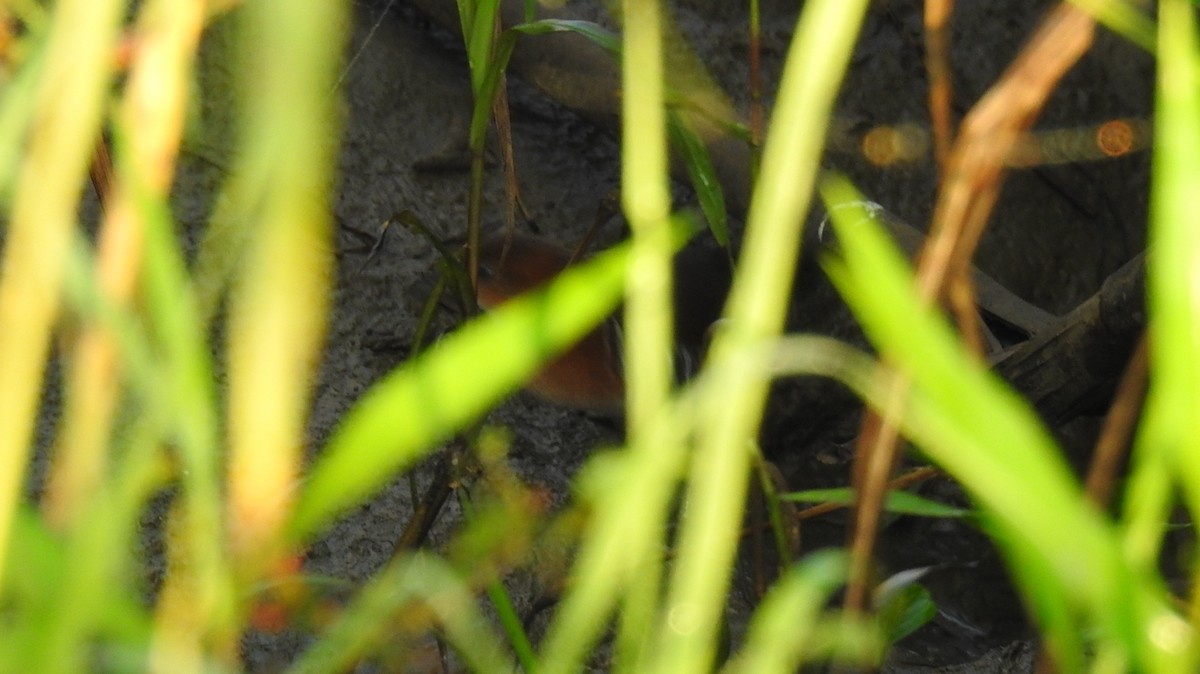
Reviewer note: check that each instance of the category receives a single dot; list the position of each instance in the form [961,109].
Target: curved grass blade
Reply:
[1000,459]
[453,384]
[278,309]
[729,417]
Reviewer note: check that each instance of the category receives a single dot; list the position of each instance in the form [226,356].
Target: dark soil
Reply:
[1057,233]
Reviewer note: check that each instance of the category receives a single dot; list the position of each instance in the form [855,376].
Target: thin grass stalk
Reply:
[631,492]
[518,640]
[101,173]
[63,131]
[481,24]
[510,622]
[1150,493]
[512,187]
[475,212]
[1173,401]
[730,414]
[136,352]
[95,580]
[154,104]
[182,611]
[202,575]
[278,312]
[646,199]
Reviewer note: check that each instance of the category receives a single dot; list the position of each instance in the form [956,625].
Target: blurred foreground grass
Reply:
[142,415]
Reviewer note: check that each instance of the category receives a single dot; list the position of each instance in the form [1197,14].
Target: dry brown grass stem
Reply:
[974,174]
[1118,426]
[941,88]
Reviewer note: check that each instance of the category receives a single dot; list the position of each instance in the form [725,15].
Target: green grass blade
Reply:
[900,502]
[368,620]
[187,375]
[1174,298]
[905,610]
[630,494]
[1149,498]
[730,414]
[1002,461]
[492,69]
[466,17]
[646,199]
[649,326]
[453,384]
[480,41]
[703,176]
[782,626]
[89,570]
[485,65]
[511,623]
[1173,399]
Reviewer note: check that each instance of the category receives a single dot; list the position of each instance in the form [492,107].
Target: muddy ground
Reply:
[1057,233]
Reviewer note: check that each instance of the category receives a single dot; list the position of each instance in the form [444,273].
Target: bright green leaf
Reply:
[404,416]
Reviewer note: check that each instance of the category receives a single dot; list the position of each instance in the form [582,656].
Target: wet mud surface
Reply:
[1057,233]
